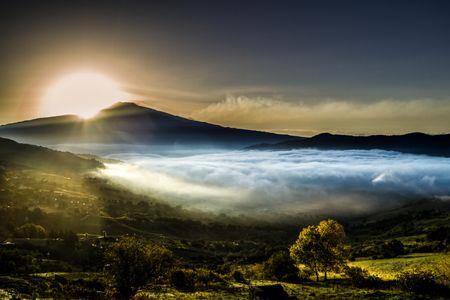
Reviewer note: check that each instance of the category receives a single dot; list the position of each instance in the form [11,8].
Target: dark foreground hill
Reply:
[13,154]
[415,143]
[129,123]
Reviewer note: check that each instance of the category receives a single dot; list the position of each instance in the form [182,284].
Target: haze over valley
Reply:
[285,182]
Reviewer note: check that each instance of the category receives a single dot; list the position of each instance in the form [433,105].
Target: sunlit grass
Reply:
[389,268]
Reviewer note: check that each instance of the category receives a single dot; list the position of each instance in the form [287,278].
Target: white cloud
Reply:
[296,181]
[386,116]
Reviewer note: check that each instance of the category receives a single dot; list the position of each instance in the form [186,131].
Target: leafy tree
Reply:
[280,266]
[31,230]
[321,247]
[392,248]
[134,262]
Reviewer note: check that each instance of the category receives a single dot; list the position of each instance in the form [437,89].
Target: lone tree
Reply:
[321,247]
[133,263]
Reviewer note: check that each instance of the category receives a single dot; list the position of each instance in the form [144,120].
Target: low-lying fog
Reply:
[284,181]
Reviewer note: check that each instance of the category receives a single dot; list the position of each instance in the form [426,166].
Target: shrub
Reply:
[31,230]
[392,248]
[182,280]
[422,283]
[280,266]
[205,277]
[239,277]
[439,234]
[304,274]
[134,262]
[191,280]
[16,261]
[253,271]
[361,278]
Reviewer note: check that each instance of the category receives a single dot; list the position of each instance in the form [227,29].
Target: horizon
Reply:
[140,104]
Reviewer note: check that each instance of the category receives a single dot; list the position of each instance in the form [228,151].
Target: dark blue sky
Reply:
[183,55]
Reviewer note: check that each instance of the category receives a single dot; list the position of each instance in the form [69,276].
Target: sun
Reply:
[81,93]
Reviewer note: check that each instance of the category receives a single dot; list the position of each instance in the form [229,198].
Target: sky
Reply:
[298,67]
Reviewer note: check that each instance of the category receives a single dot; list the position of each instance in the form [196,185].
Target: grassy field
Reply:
[308,290]
[334,288]
[388,269]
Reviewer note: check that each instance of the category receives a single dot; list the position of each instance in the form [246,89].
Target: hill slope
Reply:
[14,154]
[128,123]
[415,143]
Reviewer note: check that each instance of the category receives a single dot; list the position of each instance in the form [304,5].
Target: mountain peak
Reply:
[122,108]
[131,123]
[124,105]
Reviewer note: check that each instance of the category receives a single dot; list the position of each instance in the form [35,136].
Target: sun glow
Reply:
[83,94]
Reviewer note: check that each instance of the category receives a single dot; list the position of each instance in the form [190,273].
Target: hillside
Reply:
[415,143]
[129,123]
[13,154]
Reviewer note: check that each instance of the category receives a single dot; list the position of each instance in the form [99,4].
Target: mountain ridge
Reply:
[414,143]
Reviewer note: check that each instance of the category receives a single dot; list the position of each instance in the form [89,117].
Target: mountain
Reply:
[13,154]
[415,143]
[129,123]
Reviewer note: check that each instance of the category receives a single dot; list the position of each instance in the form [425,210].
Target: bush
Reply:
[439,234]
[253,271]
[191,280]
[134,262]
[361,278]
[16,261]
[304,274]
[422,283]
[17,284]
[280,266]
[182,280]
[205,277]
[392,248]
[239,277]
[31,230]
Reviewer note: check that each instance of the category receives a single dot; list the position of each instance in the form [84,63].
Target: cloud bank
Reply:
[292,182]
[382,117]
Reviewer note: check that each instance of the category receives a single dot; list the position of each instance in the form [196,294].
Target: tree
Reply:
[280,266]
[392,248]
[134,262]
[31,230]
[70,238]
[320,248]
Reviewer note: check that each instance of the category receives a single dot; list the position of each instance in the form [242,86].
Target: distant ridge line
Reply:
[414,143]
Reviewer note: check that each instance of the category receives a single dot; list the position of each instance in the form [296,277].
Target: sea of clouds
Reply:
[297,181]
